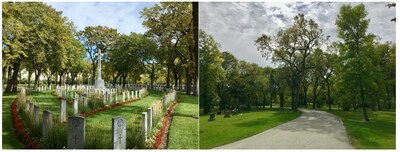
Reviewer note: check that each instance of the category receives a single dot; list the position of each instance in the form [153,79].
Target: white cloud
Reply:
[124,16]
[236,25]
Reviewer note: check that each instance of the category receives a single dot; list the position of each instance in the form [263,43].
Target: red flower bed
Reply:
[94,111]
[20,130]
[162,135]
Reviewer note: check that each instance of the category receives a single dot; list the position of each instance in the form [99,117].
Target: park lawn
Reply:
[184,130]
[47,101]
[9,140]
[227,130]
[98,126]
[379,133]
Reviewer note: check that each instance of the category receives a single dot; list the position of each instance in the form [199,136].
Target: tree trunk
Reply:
[38,72]
[195,14]
[314,96]
[188,79]
[169,70]
[14,76]
[363,104]
[60,78]
[29,78]
[295,94]
[93,73]
[281,98]
[152,76]
[124,80]
[264,100]
[270,100]
[329,96]
[305,88]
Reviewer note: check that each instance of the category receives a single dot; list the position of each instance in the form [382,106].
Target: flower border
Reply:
[20,130]
[161,137]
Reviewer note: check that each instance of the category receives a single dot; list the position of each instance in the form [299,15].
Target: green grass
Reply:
[226,130]
[98,126]
[9,140]
[379,133]
[184,131]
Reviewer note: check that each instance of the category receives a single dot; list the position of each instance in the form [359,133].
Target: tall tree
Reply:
[210,71]
[355,62]
[95,38]
[292,47]
[171,25]
[36,30]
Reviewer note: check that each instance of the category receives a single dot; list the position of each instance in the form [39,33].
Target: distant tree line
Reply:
[356,71]
[40,40]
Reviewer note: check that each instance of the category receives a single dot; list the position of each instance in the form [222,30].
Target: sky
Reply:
[123,16]
[237,25]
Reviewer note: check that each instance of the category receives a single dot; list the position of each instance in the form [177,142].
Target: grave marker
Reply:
[47,123]
[76,132]
[36,115]
[144,124]
[63,110]
[75,106]
[150,118]
[119,132]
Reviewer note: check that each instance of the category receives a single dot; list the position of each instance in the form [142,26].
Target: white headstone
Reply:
[144,124]
[75,106]
[150,118]
[119,132]
[63,110]
[36,115]
[123,96]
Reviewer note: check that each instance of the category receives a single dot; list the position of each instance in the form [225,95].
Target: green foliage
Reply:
[359,76]
[170,25]
[37,36]
[292,48]
[210,70]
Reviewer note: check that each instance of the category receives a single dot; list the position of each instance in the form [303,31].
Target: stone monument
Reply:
[99,84]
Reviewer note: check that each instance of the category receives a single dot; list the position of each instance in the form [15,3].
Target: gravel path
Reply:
[312,130]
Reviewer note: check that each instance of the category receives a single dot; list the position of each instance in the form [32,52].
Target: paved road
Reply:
[312,130]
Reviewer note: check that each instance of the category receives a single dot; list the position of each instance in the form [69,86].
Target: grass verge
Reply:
[9,139]
[184,130]
[226,130]
[379,133]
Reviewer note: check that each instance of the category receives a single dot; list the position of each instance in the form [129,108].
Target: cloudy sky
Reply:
[124,16]
[236,25]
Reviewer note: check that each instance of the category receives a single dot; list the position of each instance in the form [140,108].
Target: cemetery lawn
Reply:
[47,101]
[98,126]
[9,139]
[227,130]
[378,133]
[184,133]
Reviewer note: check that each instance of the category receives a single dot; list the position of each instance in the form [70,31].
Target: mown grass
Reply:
[226,130]
[98,126]
[184,130]
[9,139]
[378,133]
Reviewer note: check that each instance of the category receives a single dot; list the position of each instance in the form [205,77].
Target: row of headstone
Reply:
[43,88]
[157,107]
[168,98]
[227,114]
[47,119]
[76,132]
